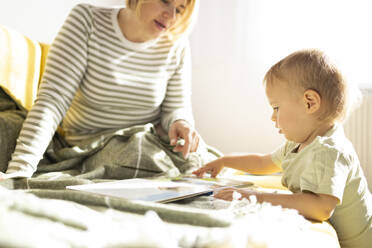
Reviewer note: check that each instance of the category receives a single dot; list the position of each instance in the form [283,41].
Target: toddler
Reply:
[310,100]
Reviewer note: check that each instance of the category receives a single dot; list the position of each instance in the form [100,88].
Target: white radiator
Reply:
[358,128]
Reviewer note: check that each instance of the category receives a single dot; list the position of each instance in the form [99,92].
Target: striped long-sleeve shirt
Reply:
[96,79]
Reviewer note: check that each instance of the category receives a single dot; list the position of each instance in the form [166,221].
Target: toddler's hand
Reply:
[227,194]
[213,168]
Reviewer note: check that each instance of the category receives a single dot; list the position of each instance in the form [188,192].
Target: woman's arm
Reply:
[64,70]
[177,102]
[177,117]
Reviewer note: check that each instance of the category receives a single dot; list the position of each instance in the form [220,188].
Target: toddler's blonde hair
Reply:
[312,69]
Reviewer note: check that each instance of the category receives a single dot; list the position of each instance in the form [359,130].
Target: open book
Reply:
[160,189]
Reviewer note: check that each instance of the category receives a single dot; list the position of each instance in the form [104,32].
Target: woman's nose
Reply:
[170,12]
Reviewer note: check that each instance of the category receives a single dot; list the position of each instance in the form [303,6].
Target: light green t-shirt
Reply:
[329,165]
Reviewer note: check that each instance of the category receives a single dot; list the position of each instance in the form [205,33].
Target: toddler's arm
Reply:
[251,163]
[313,206]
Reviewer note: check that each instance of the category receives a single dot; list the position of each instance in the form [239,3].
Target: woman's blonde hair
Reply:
[312,69]
[182,25]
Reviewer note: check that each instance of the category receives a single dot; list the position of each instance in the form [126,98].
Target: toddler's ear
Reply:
[312,101]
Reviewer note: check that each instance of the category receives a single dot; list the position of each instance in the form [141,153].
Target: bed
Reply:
[61,218]
[40,212]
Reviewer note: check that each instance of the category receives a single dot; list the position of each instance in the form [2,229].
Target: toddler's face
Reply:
[289,111]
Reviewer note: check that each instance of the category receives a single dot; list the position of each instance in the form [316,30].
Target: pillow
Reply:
[19,65]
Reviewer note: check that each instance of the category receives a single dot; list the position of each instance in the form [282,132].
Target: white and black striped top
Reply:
[95,79]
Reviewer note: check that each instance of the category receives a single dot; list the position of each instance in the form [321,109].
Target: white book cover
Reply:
[159,189]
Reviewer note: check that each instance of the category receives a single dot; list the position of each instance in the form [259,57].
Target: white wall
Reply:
[236,41]
[229,102]
[233,44]
[41,19]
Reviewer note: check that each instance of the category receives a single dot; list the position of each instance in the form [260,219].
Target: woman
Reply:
[113,68]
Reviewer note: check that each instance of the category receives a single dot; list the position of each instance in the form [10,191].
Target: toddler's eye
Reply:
[275,108]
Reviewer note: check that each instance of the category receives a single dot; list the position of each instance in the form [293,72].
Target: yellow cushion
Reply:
[20,65]
[44,52]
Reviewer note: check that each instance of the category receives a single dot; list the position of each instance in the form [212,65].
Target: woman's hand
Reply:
[181,129]
[3,176]
[18,174]
[213,168]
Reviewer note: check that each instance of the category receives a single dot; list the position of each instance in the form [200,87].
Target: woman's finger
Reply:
[186,147]
[195,142]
